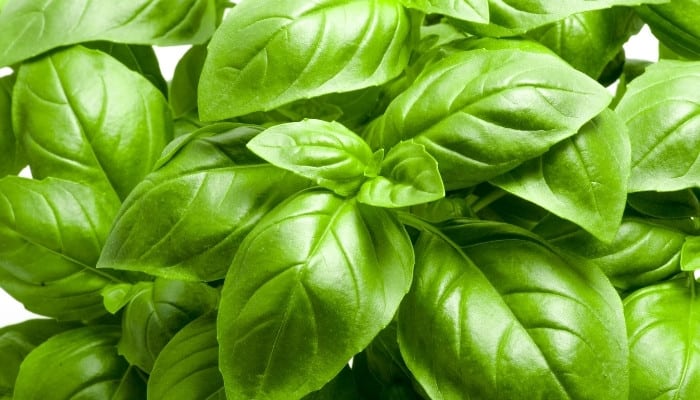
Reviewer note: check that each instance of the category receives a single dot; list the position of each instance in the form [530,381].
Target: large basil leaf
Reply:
[51,234]
[187,368]
[79,364]
[310,286]
[514,17]
[642,253]
[582,178]
[12,160]
[661,110]
[183,87]
[187,218]
[676,24]
[467,10]
[16,341]
[481,113]
[271,52]
[496,314]
[590,40]
[663,322]
[33,27]
[86,117]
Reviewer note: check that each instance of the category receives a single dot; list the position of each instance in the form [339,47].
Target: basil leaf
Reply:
[508,106]
[310,286]
[582,179]
[409,175]
[183,87]
[80,363]
[187,218]
[85,117]
[676,24]
[187,367]
[59,224]
[641,254]
[271,52]
[342,387]
[660,109]
[325,152]
[662,325]
[33,27]
[690,254]
[156,312]
[500,315]
[590,40]
[680,204]
[467,10]
[12,160]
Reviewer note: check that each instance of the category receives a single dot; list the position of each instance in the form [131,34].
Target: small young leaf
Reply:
[296,49]
[325,152]
[183,87]
[409,175]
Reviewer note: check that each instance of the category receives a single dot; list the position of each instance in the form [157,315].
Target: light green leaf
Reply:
[409,175]
[183,87]
[12,160]
[498,315]
[690,254]
[467,10]
[310,286]
[33,27]
[79,364]
[85,117]
[325,152]
[676,24]
[661,109]
[271,52]
[582,179]
[59,224]
[481,113]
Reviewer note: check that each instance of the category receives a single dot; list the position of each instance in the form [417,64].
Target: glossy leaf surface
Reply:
[58,224]
[33,27]
[498,315]
[467,10]
[582,179]
[138,58]
[676,24]
[86,117]
[295,49]
[310,286]
[509,106]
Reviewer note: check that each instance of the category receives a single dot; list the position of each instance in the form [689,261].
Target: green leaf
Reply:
[582,179]
[481,113]
[325,152]
[310,286]
[79,364]
[663,324]
[156,312]
[85,117]
[187,218]
[676,24]
[590,40]
[59,224]
[183,87]
[641,254]
[690,254]
[33,27]
[13,159]
[342,387]
[514,17]
[187,367]
[661,110]
[496,314]
[680,204]
[271,52]
[467,10]
[409,175]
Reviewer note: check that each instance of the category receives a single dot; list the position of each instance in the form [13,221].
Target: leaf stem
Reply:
[489,198]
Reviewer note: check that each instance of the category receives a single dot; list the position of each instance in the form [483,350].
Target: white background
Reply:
[642,46]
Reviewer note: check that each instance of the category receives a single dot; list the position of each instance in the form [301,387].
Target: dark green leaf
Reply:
[183,88]
[409,175]
[295,49]
[33,27]
[85,117]
[467,10]
[680,204]
[187,218]
[661,109]
[481,113]
[79,364]
[342,387]
[663,322]
[676,24]
[310,286]
[59,224]
[325,152]
[500,316]
[582,179]
[12,159]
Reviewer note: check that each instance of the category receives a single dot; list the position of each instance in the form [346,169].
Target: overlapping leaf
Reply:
[676,24]
[12,160]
